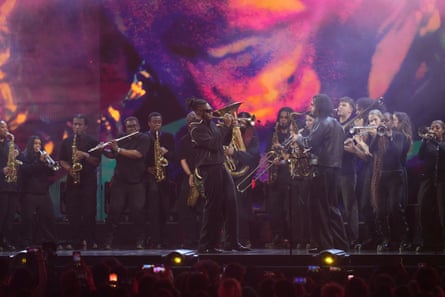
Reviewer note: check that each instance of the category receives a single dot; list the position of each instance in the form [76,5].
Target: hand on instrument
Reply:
[228,120]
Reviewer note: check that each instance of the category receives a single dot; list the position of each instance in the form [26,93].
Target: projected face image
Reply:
[271,54]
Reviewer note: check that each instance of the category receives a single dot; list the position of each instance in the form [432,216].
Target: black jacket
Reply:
[326,142]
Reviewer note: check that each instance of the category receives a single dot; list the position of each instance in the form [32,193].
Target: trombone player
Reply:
[246,159]
[81,184]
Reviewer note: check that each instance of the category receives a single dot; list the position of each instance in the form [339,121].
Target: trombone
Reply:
[381,130]
[242,186]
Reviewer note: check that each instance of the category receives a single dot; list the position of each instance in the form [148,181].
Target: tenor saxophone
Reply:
[76,166]
[13,163]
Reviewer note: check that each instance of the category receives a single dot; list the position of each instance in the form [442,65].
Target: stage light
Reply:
[331,257]
[181,257]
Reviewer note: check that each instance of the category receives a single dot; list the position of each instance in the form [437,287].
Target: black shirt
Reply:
[34,174]
[132,171]
[208,140]
[83,143]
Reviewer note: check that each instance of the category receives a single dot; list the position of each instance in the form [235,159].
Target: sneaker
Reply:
[107,246]
[68,247]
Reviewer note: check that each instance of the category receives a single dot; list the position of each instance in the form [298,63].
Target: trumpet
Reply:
[49,161]
[381,129]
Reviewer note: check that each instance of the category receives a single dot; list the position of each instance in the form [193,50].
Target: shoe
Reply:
[139,244]
[238,247]
[107,246]
[209,251]
[94,246]
[68,247]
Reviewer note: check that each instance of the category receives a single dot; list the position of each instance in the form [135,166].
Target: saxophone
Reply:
[13,163]
[299,160]
[76,166]
[160,161]
[237,143]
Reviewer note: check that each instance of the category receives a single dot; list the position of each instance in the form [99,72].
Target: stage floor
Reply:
[297,261]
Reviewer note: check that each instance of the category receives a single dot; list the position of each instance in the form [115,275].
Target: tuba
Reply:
[13,163]
[160,161]
[76,166]
[237,142]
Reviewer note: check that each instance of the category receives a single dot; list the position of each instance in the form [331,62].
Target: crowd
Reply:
[207,278]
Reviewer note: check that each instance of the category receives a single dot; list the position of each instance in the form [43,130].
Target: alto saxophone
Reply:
[13,163]
[76,166]
[160,161]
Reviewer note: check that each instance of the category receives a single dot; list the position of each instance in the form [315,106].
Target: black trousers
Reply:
[39,207]
[327,222]
[431,197]
[220,208]
[390,218]
[125,195]
[81,206]
[8,206]
[158,202]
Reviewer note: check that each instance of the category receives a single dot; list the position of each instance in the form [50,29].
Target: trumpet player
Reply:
[160,189]
[431,194]
[36,177]
[249,159]
[386,151]
[8,190]
[79,194]
[347,177]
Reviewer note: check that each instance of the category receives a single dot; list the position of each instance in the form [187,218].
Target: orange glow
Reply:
[49,147]
[282,5]
[114,113]
[65,134]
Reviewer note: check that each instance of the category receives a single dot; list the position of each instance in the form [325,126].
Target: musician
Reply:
[280,179]
[81,186]
[160,190]
[8,191]
[246,161]
[303,224]
[387,148]
[220,205]
[431,195]
[128,181]
[190,202]
[347,177]
[35,176]
[325,140]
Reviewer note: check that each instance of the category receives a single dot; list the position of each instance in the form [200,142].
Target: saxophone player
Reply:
[160,191]
[249,159]
[8,190]
[81,184]
[128,181]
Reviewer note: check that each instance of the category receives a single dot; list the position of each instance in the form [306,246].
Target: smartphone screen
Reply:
[158,269]
[76,257]
[147,266]
[300,280]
